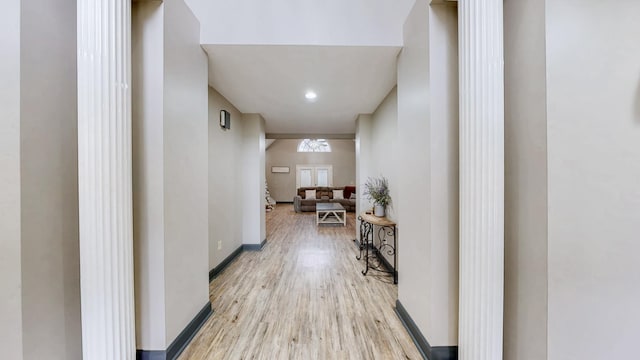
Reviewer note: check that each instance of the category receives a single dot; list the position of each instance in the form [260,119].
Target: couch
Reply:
[324,195]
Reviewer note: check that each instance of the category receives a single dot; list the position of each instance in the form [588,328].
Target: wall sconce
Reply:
[225,120]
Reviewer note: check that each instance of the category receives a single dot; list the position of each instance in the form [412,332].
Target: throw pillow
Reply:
[338,194]
[353,196]
[310,194]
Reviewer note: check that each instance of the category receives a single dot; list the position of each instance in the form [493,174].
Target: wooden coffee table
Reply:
[331,213]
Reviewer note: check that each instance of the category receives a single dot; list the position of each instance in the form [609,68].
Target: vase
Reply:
[378,210]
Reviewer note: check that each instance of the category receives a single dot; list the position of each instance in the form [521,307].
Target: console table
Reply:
[378,237]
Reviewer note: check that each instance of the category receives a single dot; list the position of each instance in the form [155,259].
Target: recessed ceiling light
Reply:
[310,95]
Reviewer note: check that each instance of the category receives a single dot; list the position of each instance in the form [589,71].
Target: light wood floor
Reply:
[302,297]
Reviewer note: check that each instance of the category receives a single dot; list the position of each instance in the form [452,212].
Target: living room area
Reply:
[304,172]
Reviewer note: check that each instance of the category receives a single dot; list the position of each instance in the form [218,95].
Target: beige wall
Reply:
[10,264]
[572,200]
[415,277]
[170,127]
[443,67]
[384,124]
[253,179]
[376,154]
[427,161]
[186,168]
[593,134]
[383,154]
[363,160]
[525,296]
[225,190]
[148,169]
[49,193]
[284,152]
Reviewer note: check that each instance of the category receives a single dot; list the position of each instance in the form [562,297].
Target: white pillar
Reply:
[104,179]
[481,179]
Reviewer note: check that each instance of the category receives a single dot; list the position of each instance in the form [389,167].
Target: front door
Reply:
[314,175]
[305,177]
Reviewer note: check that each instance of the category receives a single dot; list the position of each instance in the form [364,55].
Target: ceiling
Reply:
[272,80]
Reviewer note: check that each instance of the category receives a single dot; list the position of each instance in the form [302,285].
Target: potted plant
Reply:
[377,190]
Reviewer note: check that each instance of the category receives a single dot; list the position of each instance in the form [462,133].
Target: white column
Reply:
[104,179]
[481,179]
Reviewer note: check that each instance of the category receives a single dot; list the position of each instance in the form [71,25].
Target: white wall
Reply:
[225,190]
[170,125]
[593,114]
[253,178]
[525,297]
[10,264]
[284,152]
[49,192]
[332,22]
[427,165]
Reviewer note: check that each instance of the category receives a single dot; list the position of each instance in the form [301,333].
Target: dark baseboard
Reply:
[151,355]
[426,350]
[213,273]
[254,247]
[218,269]
[182,340]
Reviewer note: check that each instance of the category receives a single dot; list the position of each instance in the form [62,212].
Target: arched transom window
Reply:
[314,145]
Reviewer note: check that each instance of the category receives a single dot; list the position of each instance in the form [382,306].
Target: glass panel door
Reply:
[306,177]
[314,175]
[322,177]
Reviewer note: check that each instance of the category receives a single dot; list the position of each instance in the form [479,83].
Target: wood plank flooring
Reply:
[302,297]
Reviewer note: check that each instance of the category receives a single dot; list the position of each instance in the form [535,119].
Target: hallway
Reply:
[302,297]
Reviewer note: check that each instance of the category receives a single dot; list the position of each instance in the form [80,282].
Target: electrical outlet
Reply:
[219,244]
